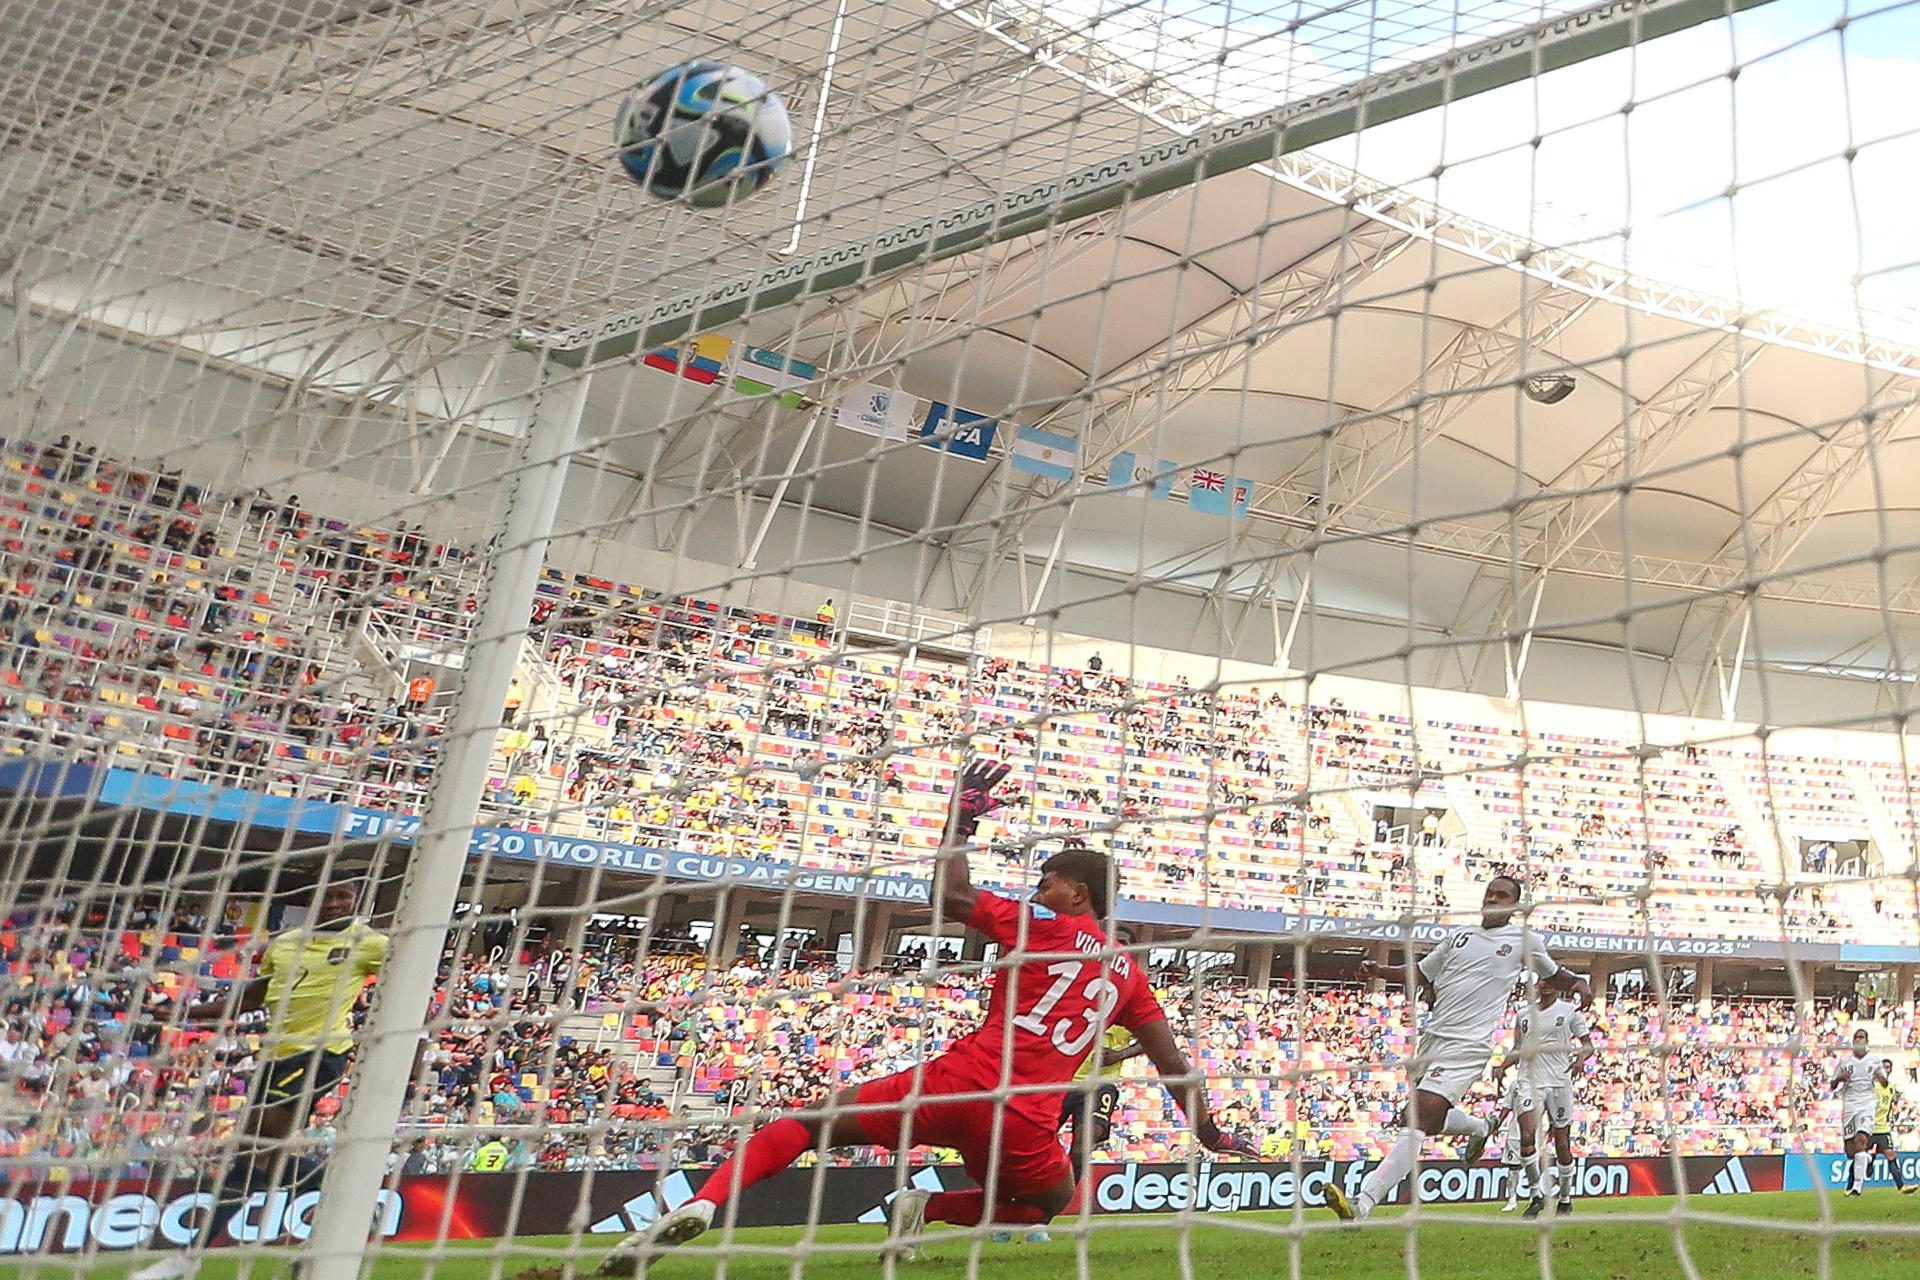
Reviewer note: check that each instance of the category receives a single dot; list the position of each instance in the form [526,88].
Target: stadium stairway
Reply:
[600,1029]
[549,699]
[1760,833]
[1352,819]
[607,1029]
[1895,853]
[1483,831]
[374,664]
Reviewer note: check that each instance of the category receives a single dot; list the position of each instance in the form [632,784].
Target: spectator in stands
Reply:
[496,1056]
[419,693]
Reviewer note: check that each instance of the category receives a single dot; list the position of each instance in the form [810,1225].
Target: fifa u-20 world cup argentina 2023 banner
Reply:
[106,1217]
[104,785]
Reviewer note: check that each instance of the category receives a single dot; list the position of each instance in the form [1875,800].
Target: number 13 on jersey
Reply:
[1090,1008]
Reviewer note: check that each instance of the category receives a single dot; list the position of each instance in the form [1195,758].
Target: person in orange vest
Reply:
[516,694]
[419,690]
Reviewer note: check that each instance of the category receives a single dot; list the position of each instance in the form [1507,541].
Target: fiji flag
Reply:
[964,432]
[1138,475]
[1217,494]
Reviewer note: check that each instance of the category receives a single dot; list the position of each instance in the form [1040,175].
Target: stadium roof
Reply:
[370,201]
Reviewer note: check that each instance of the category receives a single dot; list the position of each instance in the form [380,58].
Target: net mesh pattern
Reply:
[475,791]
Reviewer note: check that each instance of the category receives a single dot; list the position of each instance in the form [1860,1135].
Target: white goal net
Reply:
[498,619]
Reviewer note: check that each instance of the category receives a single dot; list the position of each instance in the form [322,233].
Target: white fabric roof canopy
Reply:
[373,203]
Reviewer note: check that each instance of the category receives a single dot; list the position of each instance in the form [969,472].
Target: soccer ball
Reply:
[703,132]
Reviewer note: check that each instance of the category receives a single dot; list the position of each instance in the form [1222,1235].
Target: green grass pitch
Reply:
[1775,1236]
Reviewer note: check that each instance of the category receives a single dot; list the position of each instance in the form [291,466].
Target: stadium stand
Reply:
[227,638]
[91,1071]
[245,641]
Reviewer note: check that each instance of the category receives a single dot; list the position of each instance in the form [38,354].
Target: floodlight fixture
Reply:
[1549,388]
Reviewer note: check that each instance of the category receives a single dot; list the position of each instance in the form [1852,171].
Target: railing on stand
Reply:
[377,651]
[927,630]
[547,695]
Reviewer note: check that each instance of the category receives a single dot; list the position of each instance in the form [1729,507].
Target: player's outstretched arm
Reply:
[1567,981]
[1373,969]
[972,800]
[252,996]
[1188,1087]
[1587,1050]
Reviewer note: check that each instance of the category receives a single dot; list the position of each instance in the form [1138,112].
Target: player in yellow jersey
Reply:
[1088,1107]
[309,980]
[1884,1096]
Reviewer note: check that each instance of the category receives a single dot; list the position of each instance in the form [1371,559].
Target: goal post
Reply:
[391,1040]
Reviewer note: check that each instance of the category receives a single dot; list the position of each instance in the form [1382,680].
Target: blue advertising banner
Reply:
[125,787]
[1810,1170]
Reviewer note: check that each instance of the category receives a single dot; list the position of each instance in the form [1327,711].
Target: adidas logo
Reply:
[1730,1181]
[927,1179]
[645,1207]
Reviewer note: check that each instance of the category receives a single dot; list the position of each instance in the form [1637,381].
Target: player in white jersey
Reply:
[1470,976]
[1507,1125]
[1551,1044]
[1858,1078]
[1516,1100]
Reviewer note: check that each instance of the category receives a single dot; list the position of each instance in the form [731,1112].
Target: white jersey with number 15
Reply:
[1473,973]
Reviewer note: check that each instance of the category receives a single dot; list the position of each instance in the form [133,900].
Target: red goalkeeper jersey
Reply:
[1054,1007]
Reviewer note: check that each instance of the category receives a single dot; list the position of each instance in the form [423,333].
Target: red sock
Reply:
[961,1208]
[765,1154]
[966,1208]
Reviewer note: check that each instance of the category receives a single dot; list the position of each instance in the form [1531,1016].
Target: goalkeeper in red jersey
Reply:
[995,1095]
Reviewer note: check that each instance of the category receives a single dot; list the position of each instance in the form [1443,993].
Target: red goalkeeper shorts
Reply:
[1029,1155]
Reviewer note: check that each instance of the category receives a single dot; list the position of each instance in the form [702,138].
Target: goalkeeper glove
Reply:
[974,799]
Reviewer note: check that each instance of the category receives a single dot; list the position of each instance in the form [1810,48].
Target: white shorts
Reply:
[1855,1123]
[1449,1067]
[1519,1096]
[1556,1104]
